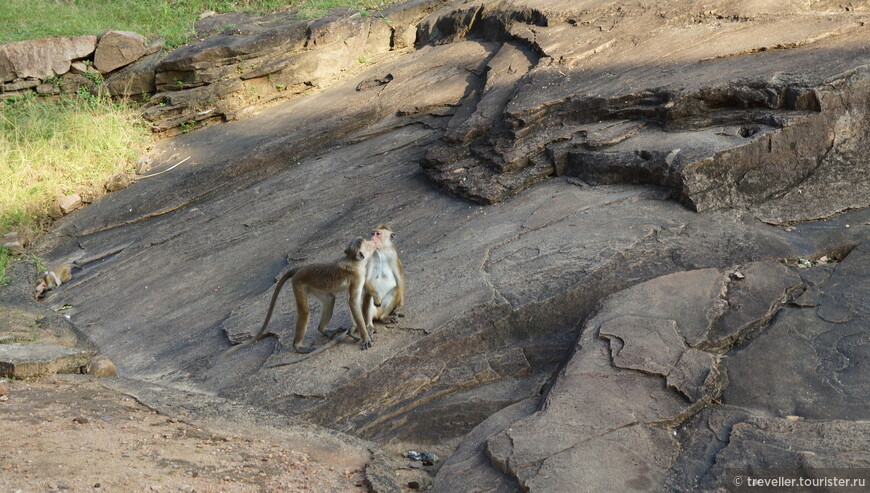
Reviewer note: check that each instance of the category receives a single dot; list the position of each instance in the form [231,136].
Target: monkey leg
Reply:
[302,314]
[327,304]
[387,312]
[369,311]
[354,301]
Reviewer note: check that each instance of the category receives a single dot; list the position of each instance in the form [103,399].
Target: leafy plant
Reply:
[187,126]
[95,77]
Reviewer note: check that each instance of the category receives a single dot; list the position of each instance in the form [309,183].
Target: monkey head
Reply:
[383,236]
[41,288]
[360,249]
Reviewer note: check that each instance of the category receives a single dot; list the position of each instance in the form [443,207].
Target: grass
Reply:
[53,148]
[169,19]
[4,261]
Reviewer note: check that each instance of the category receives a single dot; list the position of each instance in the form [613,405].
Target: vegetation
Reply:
[50,147]
[4,261]
[169,19]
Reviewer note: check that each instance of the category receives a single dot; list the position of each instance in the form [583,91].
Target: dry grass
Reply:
[53,148]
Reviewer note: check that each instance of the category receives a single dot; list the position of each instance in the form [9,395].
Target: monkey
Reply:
[324,281]
[384,270]
[54,277]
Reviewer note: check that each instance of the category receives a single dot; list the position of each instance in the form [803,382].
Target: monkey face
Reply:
[382,236]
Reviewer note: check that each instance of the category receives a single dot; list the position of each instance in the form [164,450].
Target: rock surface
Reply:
[28,360]
[43,58]
[606,332]
[116,49]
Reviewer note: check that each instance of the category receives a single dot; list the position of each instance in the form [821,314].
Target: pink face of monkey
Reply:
[382,237]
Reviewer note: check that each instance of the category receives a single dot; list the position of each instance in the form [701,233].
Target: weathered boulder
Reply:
[636,367]
[254,61]
[69,203]
[42,58]
[101,367]
[724,123]
[116,49]
[34,359]
[118,182]
[137,78]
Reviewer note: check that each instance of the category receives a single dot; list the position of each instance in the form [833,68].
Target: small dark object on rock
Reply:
[413,485]
[427,458]
[80,421]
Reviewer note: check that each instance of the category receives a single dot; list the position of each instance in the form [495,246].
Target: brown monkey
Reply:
[384,271]
[54,277]
[324,281]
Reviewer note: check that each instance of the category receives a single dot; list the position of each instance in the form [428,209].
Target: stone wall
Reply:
[238,63]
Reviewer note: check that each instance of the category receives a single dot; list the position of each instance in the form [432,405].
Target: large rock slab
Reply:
[35,359]
[42,58]
[703,102]
[635,369]
[826,346]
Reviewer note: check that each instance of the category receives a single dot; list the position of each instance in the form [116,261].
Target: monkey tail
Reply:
[263,334]
[335,340]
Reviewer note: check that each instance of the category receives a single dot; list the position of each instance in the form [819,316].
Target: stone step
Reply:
[27,360]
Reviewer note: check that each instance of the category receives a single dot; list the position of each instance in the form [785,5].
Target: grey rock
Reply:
[102,367]
[801,448]
[22,84]
[611,305]
[116,49]
[823,345]
[34,359]
[69,203]
[135,79]
[42,58]
[118,182]
[721,126]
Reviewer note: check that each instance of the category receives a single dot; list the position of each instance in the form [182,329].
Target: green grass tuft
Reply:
[169,19]
[53,148]
[5,258]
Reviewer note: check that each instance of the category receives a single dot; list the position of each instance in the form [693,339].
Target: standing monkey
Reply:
[386,275]
[323,282]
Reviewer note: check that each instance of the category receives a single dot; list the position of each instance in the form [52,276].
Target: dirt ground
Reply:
[67,433]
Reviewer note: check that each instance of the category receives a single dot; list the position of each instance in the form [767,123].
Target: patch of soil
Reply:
[69,433]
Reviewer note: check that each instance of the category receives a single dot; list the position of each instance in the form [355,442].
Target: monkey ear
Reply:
[360,256]
[392,236]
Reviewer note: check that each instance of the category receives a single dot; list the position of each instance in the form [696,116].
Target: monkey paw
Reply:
[303,349]
[365,345]
[332,333]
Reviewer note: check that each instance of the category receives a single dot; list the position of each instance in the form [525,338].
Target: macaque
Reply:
[54,277]
[385,273]
[323,282]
